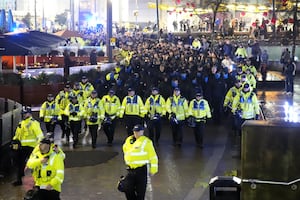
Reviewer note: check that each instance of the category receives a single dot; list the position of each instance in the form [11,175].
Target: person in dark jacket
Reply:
[290,72]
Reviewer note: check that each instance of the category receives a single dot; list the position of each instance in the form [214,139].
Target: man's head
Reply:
[50,97]
[138,130]
[131,91]
[84,79]
[45,146]
[155,91]
[199,95]
[26,111]
[94,94]
[176,91]
[246,87]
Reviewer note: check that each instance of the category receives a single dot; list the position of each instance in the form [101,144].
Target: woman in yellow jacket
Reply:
[48,170]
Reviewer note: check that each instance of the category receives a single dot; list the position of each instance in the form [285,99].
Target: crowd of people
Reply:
[156,81]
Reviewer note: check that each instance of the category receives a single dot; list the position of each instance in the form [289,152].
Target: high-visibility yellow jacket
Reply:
[29,132]
[241,52]
[139,153]
[112,105]
[87,89]
[252,81]
[93,108]
[50,111]
[179,106]
[199,109]
[78,94]
[132,105]
[246,105]
[232,92]
[51,173]
[155,105]
[77,109]
[62,99]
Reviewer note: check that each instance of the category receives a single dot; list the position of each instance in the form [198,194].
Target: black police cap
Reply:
[138,127]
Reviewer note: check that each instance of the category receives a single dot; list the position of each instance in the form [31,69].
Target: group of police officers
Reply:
[79,106]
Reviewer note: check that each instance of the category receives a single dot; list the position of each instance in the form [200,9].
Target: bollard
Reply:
[224,188]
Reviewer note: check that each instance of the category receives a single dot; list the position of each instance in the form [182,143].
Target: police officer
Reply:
[28,133]
[245,106]
[74,111]
[86,87]
[47,164]
[50,113]
[112,105]
[138,153]
[77,91]
[62,99]
[199,110]
[94,114]
[132,108]
[155,106]
[177,108]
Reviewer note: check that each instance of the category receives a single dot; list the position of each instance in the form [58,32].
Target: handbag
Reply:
[124,184]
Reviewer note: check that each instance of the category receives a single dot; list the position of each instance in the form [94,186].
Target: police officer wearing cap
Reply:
[177,108]
[77,91]
[112,105]
[50,113]
[139,154]
[47,165]
[75,112]
[199,110]
[245,106]
[155,106]
[62,99]
[28,133]
[132,109]
[86,87]
[94,114]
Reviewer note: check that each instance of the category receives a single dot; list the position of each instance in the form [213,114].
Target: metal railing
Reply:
[10,116]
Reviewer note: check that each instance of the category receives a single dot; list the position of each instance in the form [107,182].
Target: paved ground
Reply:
[184,172]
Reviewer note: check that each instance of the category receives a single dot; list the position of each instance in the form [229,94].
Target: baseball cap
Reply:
[199,94]
[111,91]
[154,88]
[138,127]
[83,77]
[130,89]
[246,85]
[45,141]
[94,92]
[176,89]
[26,109]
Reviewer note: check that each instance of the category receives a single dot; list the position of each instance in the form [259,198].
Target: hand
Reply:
[44,160]
[49,187]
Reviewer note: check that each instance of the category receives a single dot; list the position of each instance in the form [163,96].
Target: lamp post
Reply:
[35,21]
[157,18]
[109,30]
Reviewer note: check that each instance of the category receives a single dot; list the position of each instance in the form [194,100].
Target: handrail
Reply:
[270,182]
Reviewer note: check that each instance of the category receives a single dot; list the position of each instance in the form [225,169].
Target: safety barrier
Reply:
[10,115]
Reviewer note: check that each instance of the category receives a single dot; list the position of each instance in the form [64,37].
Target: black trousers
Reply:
[50,126]
[64,124]
[198,132]
[154,127]
[48,194]
[75,127]
[21,159]
[177,132]
[131,121]
[138,180]
[93,131]
[109,130]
